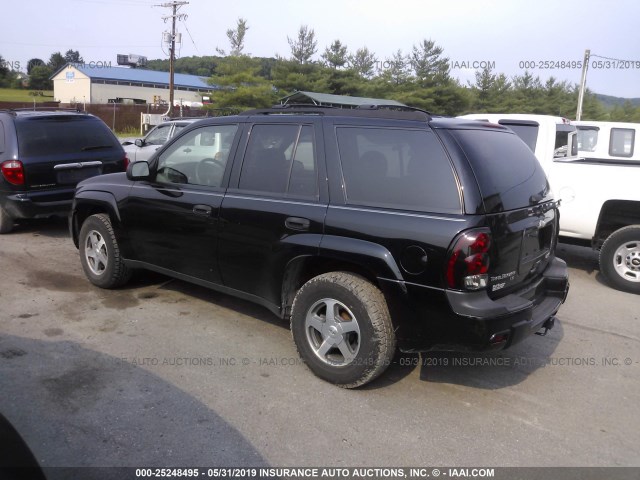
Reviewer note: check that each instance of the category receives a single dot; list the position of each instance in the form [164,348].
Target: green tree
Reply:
[304,46]
[34,62]
[73,56]
[363,62]
[335,55]
[39,78]
[395,71]
[428,64]
[236,38]
[290,76]
[528,93]
[56,61]
[242,87]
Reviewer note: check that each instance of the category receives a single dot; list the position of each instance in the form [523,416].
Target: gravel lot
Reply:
[163,373]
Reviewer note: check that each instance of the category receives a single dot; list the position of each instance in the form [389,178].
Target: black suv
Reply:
[368,229]
[43,155]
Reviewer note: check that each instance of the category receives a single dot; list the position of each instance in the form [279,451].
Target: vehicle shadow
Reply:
[483,370]
[582,258]
[243,307]
[578,257]
[54,227]
[76,407]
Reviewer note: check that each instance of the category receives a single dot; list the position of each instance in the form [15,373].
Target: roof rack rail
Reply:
[43,109]
[361,110]
[394,107]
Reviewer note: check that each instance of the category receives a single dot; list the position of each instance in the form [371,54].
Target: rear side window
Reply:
[280,159]
[63,135]
[397,168]
[508,173]
[621,144]
[587,139]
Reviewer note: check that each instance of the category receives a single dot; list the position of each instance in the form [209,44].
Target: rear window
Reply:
[508,173]
[397,168]
[63,135]
[528,132]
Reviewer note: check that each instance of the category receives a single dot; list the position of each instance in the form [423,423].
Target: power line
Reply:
[192,41]
[174,6]
[612,59]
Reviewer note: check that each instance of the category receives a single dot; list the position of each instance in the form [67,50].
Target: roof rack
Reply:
[382,111]
[42,109]
[394,107]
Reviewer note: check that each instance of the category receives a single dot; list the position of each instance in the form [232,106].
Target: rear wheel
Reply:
[342,328]
[100,254]
[6,221]
[620,259]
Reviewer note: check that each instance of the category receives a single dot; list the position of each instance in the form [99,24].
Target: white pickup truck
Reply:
[594,169]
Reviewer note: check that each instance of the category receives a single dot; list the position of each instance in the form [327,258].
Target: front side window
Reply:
[158,136]
[397,168]
[280,159]
[198,158]
[621,143]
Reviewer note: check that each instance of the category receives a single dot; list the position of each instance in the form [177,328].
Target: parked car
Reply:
[366,229]
[44,154]
[594,170]
[143,148]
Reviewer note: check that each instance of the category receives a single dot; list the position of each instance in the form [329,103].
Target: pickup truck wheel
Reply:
[6,222]
[342,328]
[620,259]
[100,254]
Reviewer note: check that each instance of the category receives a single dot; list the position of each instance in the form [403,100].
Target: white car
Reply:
[594,169]
[143,148]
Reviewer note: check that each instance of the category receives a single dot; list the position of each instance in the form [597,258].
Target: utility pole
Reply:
[175,6]
[583,83]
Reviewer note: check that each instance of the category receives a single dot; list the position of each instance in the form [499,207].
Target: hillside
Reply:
[609,102]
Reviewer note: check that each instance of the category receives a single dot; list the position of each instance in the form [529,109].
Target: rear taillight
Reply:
[468,264]
[13,172]
[126,162]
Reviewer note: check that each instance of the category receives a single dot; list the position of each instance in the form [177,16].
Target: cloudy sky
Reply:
[505,33]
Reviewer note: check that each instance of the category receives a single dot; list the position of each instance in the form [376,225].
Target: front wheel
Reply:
[342,328]
[620,259]
[100,254]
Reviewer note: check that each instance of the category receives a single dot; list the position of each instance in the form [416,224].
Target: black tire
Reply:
[620,259]
[6,221]
[104,266]
[369,350]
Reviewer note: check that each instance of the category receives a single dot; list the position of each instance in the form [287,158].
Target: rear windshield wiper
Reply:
[96,147]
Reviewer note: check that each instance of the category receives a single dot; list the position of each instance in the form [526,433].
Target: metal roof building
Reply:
[81,83]
[329,100]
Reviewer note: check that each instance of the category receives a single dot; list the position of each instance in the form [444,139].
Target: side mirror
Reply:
[138,171]
[139,142]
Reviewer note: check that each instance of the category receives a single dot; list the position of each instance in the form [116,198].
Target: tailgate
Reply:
[524,242]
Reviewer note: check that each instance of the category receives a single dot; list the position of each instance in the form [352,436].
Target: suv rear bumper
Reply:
[452,320]
[38,204]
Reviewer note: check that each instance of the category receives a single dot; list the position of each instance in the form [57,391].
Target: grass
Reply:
[129,132]
[17,95]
